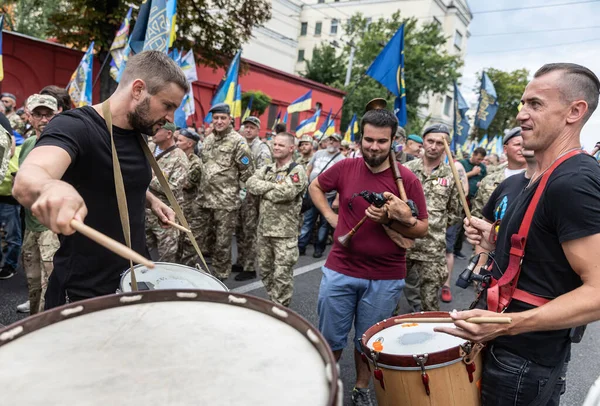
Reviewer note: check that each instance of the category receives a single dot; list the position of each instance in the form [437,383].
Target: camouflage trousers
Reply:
[222,224]
[37,254]
[423,282]
[276,258]
[187,253]
[164,240]
[245,232]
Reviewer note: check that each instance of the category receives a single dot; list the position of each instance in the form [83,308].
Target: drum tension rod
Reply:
[377,373]
[421,360]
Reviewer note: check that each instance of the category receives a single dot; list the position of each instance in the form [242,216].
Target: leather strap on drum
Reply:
[502,291]
[171,197]
[120,189]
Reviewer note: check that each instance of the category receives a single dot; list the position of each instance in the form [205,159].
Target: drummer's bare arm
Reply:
[578,307]
[160,210]
[38,187]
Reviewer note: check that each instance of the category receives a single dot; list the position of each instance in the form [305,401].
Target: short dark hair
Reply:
[380,118]
[280,128]
[579,83]
[61,95]
[480,151]
[156,69]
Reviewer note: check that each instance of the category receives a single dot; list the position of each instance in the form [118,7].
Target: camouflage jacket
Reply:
[260,153]
[174,165]
[443,207]
[281,198]
[16,123]
[5,146]
[303,161]
[486,188]
[190,183]
[226,160]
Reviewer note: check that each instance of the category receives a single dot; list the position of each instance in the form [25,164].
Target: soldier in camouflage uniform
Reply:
[516,163]
[10,104]
[188,143]
[247,221]
[305,147]
[226,160]
[174,164]
[426,262]
[281,186]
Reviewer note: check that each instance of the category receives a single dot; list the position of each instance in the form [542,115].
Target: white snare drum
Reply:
[166,275]
[168,347]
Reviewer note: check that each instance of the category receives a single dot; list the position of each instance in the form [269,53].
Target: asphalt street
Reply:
[584,368]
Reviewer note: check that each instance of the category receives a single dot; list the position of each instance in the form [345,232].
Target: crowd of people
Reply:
[278,194]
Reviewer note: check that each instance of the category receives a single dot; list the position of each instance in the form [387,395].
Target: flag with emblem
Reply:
[461,122]
[158,28]
[488,103]
[187,108]
[80,85]
[309,125]
[117,49]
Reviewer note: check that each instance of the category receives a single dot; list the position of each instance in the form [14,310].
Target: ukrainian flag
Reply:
[1,66]
[352,129]
[277,120]
[309,125]
[248,109]
[484,141]
[171,17]
[331,127]
[301,104]
[325,125]
[226,90]
[237,103]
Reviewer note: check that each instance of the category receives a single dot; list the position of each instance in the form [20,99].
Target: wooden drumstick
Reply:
[177,226]
[461,192]
[474,320]
[111,244]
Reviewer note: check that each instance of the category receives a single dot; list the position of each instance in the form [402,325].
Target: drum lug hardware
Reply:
[421,360]
[469,351]
[377,373]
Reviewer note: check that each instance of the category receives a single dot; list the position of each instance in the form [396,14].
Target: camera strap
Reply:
[503,290]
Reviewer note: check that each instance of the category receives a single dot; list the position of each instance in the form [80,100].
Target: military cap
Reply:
[415,138]
[376,104]
[41,100]
[515,132]
[305,138]
[345,144]
[169,126]
[335,136]
[192,135]
[220,108]
[252,120]
[435,128]
[12,96]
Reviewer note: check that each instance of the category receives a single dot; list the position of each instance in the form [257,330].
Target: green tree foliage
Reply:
[260,102]
[509,88]
[325,66]
[29,17]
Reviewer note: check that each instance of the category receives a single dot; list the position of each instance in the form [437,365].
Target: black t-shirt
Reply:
[504,194]
[84,268]
[568,210]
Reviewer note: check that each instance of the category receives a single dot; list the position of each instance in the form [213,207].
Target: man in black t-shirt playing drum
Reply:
[525,361]
[69,175]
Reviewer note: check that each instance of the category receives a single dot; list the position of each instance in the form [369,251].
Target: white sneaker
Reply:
[23,307]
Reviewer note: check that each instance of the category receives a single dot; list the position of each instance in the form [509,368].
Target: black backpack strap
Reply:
[291,167]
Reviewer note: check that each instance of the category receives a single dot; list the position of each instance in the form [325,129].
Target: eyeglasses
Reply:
[38,116]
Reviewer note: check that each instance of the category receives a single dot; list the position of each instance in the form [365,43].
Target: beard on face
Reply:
[139,118]
[371,159]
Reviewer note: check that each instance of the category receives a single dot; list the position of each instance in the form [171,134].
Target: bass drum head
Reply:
[166,275]
[167,347]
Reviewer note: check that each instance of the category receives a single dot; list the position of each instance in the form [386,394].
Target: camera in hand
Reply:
[376,199]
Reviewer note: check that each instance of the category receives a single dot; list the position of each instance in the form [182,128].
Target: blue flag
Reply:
[158,28]
[461,122]
[80,85]
[388,69]
[138,34]
[226,91]
[488,103]
[117,49]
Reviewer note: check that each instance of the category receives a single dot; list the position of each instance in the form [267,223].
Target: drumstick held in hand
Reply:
[461,191]
[111,244]
[474,320]
[177,226]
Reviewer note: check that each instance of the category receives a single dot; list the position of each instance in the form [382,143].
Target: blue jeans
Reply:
[10,220]
[509,379]
[310,218]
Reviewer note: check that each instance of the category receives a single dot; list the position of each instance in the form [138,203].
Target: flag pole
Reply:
[101,69]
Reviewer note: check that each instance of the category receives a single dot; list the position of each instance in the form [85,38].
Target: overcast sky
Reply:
[506,52]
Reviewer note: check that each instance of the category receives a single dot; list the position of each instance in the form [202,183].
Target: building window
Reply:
[458,37]
[303,29]
[318,26]
[293,121]
[334,26]
[448,106]
[301,55]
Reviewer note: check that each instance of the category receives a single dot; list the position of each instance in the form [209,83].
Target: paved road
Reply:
[584,368]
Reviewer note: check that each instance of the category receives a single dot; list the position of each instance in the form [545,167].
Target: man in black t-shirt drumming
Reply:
[69,175]
[559,283]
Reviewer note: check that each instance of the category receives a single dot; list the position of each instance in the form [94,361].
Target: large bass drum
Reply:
[167,347]
[166,275]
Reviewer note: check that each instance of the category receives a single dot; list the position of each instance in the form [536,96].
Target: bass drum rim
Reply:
[137,267]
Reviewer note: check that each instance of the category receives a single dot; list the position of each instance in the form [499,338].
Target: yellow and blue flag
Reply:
[187,63]
[117,49]
[461,122]
[331,127]
[1,66]
[488,103]
[188,66]
[492,146]
[388,69]
[352,130]
[483,142]
[237,103]
[324,126]
[277,120]
[226,91]
[80,85]
[171,18]
[248,109]
[309,125]
[302,103]
[285,118]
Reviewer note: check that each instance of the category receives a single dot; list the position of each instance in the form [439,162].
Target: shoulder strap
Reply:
[172,200]
[331,160]
[165,152]
[291,167]
[120,189]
